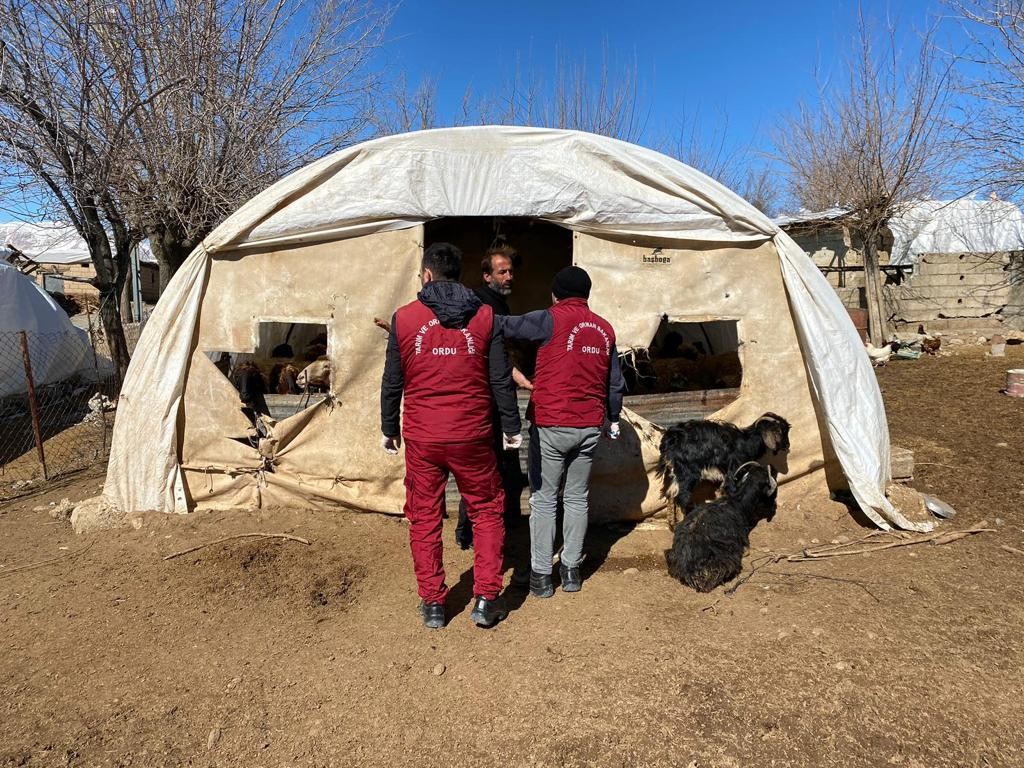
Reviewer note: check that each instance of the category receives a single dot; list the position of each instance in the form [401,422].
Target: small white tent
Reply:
[339,242]
[56,348]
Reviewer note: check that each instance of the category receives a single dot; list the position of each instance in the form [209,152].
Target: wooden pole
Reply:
[33,404]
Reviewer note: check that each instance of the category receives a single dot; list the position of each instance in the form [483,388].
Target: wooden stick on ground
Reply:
[1014,550]
[942,537]
[238,536]
[39,563]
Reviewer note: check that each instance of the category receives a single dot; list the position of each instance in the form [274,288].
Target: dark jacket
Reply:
[538,327]
[454,305]
[493,299]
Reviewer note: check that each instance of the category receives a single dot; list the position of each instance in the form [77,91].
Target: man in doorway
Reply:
[446,356]
[498,269]
[577,385]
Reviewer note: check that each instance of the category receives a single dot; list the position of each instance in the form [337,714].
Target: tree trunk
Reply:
[877,325]
[113,329]
[170,249]
[111,268]
[126,302]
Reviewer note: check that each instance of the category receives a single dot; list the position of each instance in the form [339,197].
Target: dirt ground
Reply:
[269,652]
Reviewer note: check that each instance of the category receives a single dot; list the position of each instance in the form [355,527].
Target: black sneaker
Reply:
[541,584]
[433,615]
[487,613]
[571,580]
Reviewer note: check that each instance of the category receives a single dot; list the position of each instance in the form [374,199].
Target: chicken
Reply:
[930,343]
[879,355]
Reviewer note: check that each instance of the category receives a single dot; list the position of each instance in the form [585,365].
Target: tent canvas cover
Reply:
[338,243]
[57,349]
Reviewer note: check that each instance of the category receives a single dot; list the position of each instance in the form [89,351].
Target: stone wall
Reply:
[960,286]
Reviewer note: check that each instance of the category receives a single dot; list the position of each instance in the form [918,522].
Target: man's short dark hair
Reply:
[444,260]
[501,249]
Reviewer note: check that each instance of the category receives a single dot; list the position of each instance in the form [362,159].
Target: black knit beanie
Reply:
[571,282]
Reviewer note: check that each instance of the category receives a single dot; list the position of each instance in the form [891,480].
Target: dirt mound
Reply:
[272,574]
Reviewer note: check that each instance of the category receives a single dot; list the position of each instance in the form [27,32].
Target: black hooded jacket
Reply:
[455,305]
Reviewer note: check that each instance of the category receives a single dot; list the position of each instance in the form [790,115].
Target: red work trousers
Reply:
[476,472]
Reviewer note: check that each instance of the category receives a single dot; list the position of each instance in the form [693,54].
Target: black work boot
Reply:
[541,584]
[433,615]
[487,613]
[571,580]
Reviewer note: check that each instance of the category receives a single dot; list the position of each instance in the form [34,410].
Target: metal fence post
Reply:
[33,403]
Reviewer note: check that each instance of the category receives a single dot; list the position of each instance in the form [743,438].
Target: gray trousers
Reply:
[556,452]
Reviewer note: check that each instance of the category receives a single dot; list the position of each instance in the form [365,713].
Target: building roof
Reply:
[51,242]
[964,225]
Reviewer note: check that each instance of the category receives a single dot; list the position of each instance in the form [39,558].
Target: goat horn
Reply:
[743,466]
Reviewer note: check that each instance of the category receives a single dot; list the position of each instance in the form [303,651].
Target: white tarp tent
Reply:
[595,186]
[955,226]
[56,348]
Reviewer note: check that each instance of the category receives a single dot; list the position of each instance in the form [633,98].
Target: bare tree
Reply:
[403,110]
[247,91]
[62,131]
[708,149]
[874,138]
[608,102]
[993,81]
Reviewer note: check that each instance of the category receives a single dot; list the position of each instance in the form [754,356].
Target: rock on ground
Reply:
[96,514]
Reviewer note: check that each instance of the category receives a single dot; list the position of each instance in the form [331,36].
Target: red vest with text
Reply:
[447,377]
[570,386]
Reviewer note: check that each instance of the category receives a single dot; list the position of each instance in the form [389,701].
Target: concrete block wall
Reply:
[957,285]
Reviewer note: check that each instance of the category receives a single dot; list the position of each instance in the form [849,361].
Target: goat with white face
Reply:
[692,451]
[708,545]
[315,377]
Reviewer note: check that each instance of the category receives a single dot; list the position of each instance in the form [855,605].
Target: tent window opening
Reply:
[289,370]
[689,370]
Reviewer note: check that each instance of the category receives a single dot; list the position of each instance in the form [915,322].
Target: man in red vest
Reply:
[577,384]
[446,356]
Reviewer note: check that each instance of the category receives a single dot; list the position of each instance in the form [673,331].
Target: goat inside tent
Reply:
[683,268]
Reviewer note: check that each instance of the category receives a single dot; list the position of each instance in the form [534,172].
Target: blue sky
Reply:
[733,67]
[737,65]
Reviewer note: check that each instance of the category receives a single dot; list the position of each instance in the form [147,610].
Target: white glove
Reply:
[391,444]
[512,442]
[613,430]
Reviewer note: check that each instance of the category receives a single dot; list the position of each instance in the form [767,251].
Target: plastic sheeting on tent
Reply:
[56,348]
[587,183]
[939,226]
[52,242]
[955,226]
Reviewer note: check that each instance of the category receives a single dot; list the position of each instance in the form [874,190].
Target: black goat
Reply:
[692,451]
[708,545]
[252,388]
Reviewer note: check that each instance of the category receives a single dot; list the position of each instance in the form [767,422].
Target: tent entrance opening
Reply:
[542,248]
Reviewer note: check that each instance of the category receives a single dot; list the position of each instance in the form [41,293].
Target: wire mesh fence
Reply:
[58,395]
